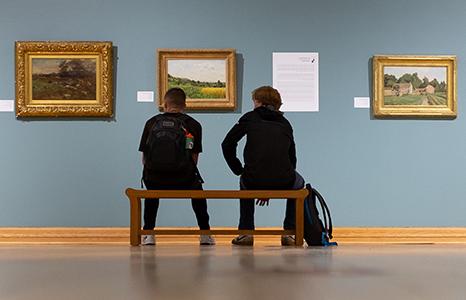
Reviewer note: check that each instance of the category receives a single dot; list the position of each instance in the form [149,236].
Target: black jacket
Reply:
[269,154]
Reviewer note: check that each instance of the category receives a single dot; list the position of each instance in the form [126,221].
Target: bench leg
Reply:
[135,221]
[299,222]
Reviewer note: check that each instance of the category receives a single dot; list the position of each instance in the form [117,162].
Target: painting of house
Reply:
[425,90]
[414,85]
[400,89]
[430,89]
[388,91]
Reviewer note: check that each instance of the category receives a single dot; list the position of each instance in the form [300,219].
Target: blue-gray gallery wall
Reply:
[373,172]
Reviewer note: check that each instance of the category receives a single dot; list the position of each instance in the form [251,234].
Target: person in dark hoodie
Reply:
[269,158]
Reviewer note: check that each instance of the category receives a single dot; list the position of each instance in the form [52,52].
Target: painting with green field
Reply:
[64,78]
[421,86]
[199,78]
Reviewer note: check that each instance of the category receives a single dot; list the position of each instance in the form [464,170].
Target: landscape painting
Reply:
[207,76]
[64,79]
[200,79]
[414,86]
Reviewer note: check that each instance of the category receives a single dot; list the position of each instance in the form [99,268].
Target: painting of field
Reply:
[199,78]
[423,86]
[64,79]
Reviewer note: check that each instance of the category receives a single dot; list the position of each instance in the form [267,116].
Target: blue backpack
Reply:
[316,232]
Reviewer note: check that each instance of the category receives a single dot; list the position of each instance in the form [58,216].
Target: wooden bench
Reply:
[135,208]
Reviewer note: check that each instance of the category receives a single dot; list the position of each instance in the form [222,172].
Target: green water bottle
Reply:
[189,141]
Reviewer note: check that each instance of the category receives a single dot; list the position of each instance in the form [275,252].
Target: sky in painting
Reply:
[209,70]
[440,73]
[50,65]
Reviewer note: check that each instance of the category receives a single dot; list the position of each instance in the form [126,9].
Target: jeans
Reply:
[246,208]
[151,205]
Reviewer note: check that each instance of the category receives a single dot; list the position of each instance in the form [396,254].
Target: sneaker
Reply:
[148,240]
[243,240]
[206,240]
[288,240]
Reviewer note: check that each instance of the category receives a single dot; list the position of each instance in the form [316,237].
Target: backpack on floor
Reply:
[316,232]
[166,147]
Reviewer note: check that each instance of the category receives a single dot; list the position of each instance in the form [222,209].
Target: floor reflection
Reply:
[230,272]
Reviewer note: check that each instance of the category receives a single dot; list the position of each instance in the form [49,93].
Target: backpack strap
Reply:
[326,213]
[328,225]
[184,118]
[327,236]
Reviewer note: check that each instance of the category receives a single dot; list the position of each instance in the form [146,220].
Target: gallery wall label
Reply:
[7,105]
[362,102]
[296,77]
[145,96]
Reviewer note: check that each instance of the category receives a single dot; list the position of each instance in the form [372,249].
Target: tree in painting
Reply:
[63,79]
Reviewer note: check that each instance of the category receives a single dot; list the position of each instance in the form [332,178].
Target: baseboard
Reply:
[120,235]
[401,235]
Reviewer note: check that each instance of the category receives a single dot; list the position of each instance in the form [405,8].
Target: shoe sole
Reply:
[242,244]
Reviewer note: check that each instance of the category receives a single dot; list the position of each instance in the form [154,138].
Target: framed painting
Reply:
[64,79]
[414,86]
[207,76]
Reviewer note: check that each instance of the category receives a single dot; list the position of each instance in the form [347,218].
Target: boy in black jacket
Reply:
[186,177]
[269,158]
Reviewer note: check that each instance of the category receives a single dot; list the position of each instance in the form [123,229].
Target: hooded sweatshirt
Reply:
[269,153]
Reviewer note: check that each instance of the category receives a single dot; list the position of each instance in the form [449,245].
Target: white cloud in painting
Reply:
[52,65]
[439,73]
[209,70]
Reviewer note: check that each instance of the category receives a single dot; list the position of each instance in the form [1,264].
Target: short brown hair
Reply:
[175,97]
[267,95]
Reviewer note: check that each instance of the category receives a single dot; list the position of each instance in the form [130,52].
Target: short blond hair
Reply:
[267,95]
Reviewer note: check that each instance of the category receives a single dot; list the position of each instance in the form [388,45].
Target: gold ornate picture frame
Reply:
[207,76]
[414,86]
[64,79]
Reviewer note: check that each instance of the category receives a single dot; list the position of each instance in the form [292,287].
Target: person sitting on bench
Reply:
[269,159]
[171,143]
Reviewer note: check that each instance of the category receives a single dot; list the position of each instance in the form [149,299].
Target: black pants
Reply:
[246,208]
[151,205]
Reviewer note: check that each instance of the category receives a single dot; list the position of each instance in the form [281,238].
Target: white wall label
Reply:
[296,77]
[362,102]
[145,96]
[7,105]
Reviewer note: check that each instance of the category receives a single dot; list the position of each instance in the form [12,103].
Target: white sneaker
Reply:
[205,239]
[147,240]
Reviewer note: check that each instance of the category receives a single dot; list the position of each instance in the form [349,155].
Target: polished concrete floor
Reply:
[226,272]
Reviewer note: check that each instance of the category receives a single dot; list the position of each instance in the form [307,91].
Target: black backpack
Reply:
[317,233]
[165,150]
